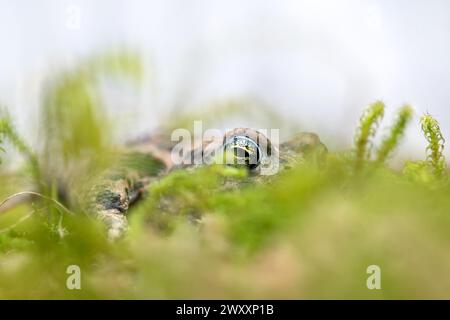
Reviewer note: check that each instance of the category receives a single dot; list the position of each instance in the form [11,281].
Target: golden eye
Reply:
[242,151]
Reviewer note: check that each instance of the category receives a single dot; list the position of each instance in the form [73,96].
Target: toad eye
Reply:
[242,151]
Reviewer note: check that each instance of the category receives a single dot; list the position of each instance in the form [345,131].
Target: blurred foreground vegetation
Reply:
[309,233]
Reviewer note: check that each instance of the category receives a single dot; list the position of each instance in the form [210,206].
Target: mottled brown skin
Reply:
[121,187]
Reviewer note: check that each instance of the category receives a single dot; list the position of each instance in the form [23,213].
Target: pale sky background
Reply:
[317,61]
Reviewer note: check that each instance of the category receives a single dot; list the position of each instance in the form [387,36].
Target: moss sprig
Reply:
[368,125]
[432,132]
[397,131]
[9,133]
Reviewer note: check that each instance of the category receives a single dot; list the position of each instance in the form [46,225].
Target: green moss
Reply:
[435,148]
[368,125]
[391,141]
[217,231]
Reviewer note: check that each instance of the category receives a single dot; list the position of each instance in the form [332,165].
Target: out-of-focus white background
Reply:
[317,61]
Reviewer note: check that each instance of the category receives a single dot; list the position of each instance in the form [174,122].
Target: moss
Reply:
[305,230]
[368,125]
[144,164]
[435,148]
[391,141]
[218,232]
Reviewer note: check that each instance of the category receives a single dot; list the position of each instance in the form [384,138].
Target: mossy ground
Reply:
[308,233]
